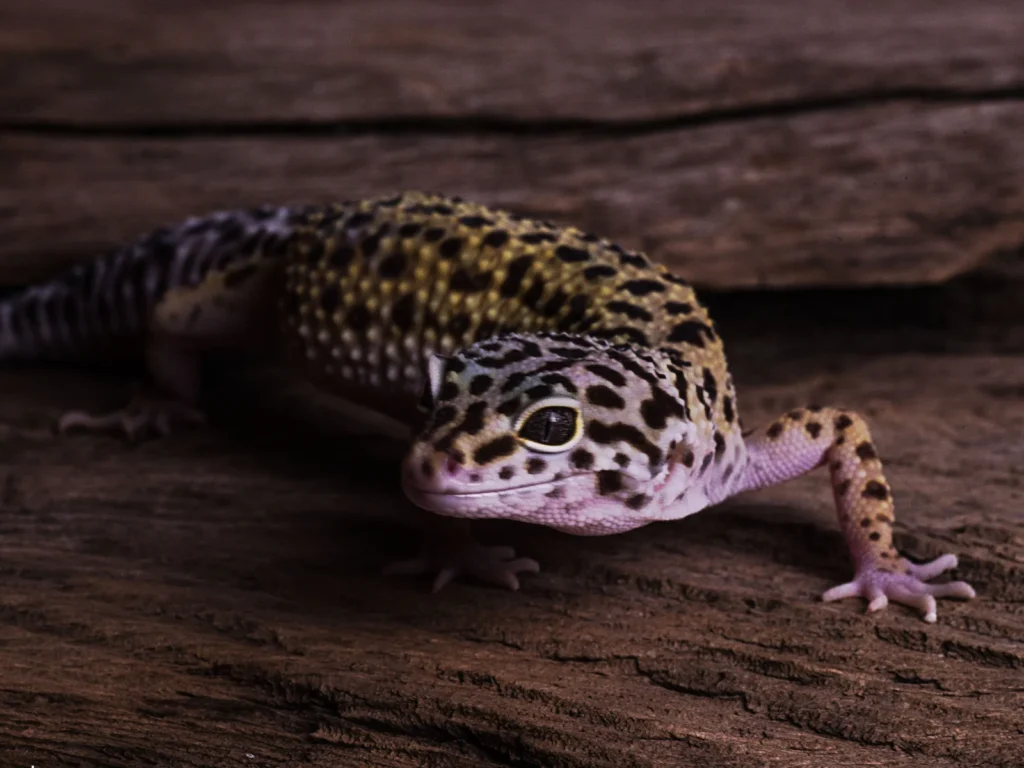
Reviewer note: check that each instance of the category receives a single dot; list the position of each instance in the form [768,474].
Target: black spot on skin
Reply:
[475,477]
[533,293]
[498,448]
[582,458]
[443,209]
[514,356]
[370,245]
[688,458]
[455,365]
[678,308]
[450,248]
[843,421]
[569,254]
[507,473]
[865,522]
[840,440]
[538,392]
[690,332]
[495,239]
[676,279]
[555,493]
[866,451]
[835,466]
[535,466]
[238,276]
[358,318]
[459,324]
[605,397]
[842,488]
[449,391]
[509,407]
[633,260]
[638,501]
[329,298]
[433,234]
[402,312]
[535,238]
[727,473]
[474,222]
[553,305]
[643,287]
[876,490]
[426,468]
[605,434]
[632,366]
[608,374]
[813,428]
[359,220]
[814,408]
[392,266]
[719,445]
[464,281]
[480,384]
[632,311]
[774,430]
[884,519]
[659,408]
[599,271]
[341,257]
[563,381]
[728,410]
[710,386]
[796,414]
[513,381]
[571,354]
[874,535]
[532,349]
[622,460]
[706,463]
[608,481]
[409,230]
[575,315]
[514,276]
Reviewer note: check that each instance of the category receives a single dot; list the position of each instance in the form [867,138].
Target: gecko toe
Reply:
[880,587]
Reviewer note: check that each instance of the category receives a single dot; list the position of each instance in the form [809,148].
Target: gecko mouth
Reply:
[423,493]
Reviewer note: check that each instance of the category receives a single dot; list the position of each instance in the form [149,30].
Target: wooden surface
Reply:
[217,595]
[746,144]
[214,599]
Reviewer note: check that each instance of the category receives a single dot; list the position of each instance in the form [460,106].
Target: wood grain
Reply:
[216,595]
[151,62]
[886,195]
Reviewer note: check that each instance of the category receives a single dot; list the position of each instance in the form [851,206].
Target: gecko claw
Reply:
[134,420]
[492,565]
[878,587]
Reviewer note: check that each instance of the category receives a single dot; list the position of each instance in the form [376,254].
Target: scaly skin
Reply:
[552,377]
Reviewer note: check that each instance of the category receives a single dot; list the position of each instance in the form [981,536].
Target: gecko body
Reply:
[550,375]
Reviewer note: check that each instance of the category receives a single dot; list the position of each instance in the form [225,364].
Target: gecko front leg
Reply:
[804,439]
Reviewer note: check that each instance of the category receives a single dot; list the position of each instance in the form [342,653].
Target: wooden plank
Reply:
[136,62]
[886,195]
[214,599]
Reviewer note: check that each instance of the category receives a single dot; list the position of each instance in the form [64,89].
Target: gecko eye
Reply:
[550,426]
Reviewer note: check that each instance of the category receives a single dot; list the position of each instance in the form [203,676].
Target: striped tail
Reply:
[104,306]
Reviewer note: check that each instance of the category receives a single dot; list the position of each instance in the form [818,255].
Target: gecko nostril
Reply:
[452,466]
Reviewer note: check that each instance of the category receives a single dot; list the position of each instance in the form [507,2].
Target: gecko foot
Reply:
[493,565]
[141,416]
[878,587]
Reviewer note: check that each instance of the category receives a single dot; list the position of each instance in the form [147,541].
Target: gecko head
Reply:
[566,431]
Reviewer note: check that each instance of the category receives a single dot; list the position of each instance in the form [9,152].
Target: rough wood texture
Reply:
[145,62]
[775,144]
[216,595]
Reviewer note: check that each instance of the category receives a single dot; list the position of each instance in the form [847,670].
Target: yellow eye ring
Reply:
[563,423]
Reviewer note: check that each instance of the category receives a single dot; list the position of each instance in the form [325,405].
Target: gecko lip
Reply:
[423,493]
